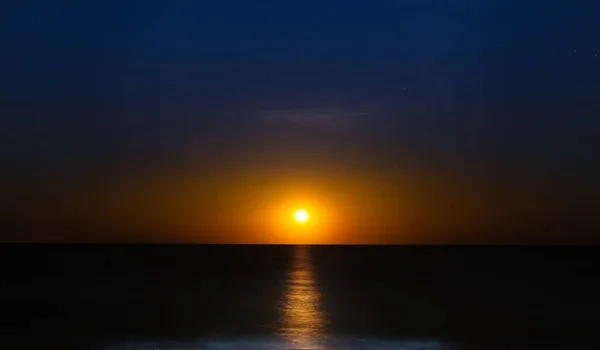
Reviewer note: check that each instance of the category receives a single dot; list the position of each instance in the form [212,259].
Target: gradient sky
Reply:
[392,121]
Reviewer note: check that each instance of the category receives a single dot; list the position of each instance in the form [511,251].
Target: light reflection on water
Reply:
[302,321]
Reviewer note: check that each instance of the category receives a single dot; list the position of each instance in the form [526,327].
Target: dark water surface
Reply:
[294,297]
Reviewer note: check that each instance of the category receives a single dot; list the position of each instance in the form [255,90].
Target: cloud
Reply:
[315,117]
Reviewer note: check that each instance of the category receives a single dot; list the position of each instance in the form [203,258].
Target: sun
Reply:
[301,216]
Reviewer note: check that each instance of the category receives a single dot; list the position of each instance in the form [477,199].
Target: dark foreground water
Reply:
[285,297]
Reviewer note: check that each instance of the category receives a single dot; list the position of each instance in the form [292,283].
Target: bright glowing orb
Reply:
[301,216]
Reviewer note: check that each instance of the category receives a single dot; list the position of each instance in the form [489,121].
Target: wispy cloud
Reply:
[316,117]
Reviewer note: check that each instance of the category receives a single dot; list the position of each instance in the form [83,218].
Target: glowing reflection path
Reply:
[302,321]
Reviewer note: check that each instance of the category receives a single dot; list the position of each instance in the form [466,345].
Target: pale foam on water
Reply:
[272,344]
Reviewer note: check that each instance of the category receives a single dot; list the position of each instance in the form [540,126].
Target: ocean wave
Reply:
[272,344]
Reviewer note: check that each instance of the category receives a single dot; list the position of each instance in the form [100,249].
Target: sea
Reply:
[114,297]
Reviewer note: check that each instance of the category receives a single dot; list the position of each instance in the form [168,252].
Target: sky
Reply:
[390,121]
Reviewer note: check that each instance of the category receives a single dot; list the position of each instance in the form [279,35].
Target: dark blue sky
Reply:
[509,90]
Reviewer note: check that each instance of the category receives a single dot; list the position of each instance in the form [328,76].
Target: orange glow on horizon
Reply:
[299,220]
[262,210]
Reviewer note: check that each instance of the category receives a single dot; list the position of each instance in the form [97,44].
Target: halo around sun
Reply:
[301,216]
